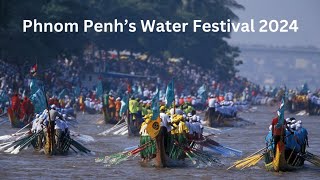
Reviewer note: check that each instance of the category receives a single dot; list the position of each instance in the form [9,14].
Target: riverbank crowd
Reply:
[74,82]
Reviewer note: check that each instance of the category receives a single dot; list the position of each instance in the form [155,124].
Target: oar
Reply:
[6,145]
[117,123]
[130,148]
[3,114]
[211,128]
[239,161]
[176,143]
[311,158]
[118,127]
[6,137]
[23,127]
[120,130]
[25,144]
[202,157]
[124,132]
[15,144]
[119,157]
[252,162]
[4,121]
[112,129]
[82,137]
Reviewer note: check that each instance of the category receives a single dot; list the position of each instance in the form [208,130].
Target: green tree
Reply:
[209,50]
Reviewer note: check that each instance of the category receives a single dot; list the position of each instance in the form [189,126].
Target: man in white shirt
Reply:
[212,102]
[165,119]
[210,114]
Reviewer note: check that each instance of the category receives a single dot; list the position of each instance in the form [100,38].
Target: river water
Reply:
[33,165]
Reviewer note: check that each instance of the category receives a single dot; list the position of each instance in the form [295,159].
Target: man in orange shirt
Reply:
[112,106]
[118,107]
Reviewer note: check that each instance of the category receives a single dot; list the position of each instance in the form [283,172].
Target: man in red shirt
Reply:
[277,133]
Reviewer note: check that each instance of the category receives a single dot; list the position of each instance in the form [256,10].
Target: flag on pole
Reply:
[38,100]
[99,89]
[124,104]
[34,86]
[202,92]
[170,94]
[155,106]
[281,114]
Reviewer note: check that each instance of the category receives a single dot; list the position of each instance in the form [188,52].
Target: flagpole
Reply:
[50,127]
[174,106]
[174,98]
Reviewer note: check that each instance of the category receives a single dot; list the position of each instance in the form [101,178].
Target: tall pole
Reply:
[50,126]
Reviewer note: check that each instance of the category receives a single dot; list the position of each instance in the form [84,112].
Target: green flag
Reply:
[170,94]
[155,106]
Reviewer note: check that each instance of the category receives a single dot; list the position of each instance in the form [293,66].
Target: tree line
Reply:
[209,50]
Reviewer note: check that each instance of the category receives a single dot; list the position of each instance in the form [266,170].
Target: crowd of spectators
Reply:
[145,75]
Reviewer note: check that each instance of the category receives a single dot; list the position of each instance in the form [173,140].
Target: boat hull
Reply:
[283,160]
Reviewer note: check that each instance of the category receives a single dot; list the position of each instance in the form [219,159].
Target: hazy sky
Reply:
[305,11]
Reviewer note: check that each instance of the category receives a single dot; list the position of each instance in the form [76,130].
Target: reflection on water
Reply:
[31,165]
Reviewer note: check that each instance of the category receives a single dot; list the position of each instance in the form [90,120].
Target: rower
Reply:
[277,132]
[165,120]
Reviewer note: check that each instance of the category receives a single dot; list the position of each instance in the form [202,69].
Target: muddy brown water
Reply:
[33,165]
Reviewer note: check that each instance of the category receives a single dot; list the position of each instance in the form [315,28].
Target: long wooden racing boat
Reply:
[169,149]
[165,151]
[283,160]
[289,154]
[216,119]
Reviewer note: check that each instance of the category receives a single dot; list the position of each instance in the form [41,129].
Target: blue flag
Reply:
[34,86]
[99,89]
[38,100]
[281,114]
[170,94]
[124,104]
[202,92]
[155,106]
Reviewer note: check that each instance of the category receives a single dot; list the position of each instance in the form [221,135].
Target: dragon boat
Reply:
[51,137]
[289,154]
[225,115]
[160,147]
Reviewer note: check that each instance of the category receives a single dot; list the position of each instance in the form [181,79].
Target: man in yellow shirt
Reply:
[133,110]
